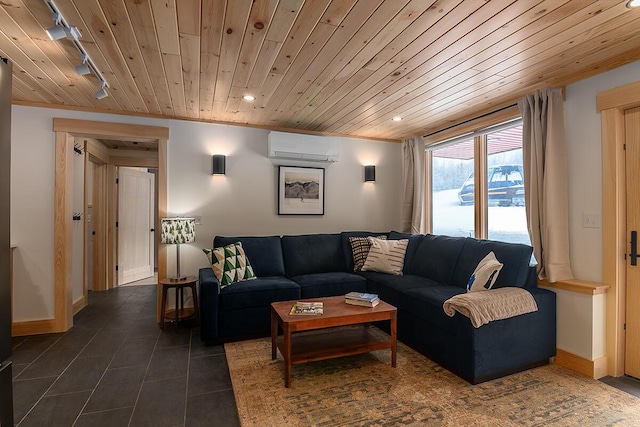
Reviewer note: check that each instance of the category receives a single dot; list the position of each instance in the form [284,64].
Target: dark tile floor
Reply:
[115,367]
[629,384]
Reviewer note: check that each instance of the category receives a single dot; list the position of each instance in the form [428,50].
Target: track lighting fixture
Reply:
[62,29]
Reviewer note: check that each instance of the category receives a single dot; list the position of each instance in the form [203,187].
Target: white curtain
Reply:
[413,178]
[544,158]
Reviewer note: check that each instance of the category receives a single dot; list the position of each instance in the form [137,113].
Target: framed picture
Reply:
[300,191]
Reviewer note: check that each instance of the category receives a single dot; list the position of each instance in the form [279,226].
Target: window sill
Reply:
[578,286]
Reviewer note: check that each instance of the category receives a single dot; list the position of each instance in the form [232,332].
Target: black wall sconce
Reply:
[369,174]
[219,164]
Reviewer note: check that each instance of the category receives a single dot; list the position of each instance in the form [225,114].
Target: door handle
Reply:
[153,230]
[634,248]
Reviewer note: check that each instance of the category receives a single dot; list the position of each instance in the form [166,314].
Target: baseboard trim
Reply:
[79,305]
[591,368]
[33,327]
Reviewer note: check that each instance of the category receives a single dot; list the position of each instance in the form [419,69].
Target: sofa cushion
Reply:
[414,242]
[514,256]
[393,289]
[360,247]
[436,257]
[258,293]
[485,274]
[346,245]
[265,253]
[386,256]
[426,303]
[230,264]
[313,253]
[329,284]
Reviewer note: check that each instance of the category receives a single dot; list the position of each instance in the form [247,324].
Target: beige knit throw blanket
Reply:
[485,306]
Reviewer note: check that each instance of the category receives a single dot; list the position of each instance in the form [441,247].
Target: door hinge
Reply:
[117,181]
[624,146]
[116,224]
[116,268]
[624,326]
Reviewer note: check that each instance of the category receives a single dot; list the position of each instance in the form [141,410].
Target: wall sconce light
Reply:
[369,173]
[219,164]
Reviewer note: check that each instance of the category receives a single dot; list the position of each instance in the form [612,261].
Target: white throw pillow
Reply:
[485,274]
[386,256]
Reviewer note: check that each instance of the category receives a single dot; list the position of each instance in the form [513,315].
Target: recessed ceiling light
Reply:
[249,98]
[397,119]
[633,3]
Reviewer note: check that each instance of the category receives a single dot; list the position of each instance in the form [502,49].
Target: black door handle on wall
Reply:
[634,248]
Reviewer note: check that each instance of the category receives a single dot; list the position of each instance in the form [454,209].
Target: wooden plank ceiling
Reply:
[337,66]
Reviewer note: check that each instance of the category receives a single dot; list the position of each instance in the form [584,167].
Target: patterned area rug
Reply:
[365,390]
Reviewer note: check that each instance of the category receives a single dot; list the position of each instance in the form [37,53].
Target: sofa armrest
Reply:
[209,303]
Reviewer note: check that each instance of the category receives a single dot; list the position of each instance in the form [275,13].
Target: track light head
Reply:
[83,69]
[57,31]
[102,92]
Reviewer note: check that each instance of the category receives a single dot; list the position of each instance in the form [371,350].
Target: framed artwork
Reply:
[300,191]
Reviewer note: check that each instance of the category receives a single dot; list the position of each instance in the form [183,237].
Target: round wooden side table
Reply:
[179,312]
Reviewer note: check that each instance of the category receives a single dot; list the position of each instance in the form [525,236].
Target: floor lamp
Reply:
[176,231]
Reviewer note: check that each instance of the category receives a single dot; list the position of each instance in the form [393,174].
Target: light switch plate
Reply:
[591,220]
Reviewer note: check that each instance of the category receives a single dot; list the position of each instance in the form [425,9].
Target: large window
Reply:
[452,189]
[490,205]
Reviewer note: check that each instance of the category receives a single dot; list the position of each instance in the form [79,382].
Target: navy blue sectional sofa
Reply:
[435,269]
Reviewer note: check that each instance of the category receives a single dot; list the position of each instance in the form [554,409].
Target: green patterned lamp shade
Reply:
[177,231]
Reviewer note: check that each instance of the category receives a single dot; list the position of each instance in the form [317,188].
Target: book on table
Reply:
[372,303]
[361,298]
[306,309]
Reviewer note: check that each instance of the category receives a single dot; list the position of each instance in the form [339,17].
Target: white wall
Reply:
[241,202]
[584,138]
[581,319]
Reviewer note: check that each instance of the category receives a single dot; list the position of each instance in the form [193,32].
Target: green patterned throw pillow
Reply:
[230,264]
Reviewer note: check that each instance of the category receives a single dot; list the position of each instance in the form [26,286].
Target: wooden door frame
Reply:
[612,105]
[66,129]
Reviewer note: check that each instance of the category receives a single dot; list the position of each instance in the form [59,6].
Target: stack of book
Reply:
[360,298]
[307,308]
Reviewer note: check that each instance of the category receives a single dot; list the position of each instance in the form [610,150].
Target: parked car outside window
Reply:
[504,185]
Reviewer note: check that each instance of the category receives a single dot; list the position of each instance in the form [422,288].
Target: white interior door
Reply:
[135,225]
[632,342]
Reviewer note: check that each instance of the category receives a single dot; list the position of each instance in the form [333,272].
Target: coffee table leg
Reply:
[394,340]
[274,335]
[287,357]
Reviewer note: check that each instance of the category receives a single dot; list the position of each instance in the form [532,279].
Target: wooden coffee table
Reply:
[327,341]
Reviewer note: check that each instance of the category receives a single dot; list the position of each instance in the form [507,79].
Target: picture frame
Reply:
[300,190]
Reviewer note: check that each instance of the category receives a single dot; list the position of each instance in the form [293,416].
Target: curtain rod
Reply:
[470,120]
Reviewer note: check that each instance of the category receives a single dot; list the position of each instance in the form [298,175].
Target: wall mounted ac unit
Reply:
[298,149]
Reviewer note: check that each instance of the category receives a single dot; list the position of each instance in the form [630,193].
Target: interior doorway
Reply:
[136,136]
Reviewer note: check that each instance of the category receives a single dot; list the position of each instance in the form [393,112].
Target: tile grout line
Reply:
[43,395]
[155,346]
[106,369]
